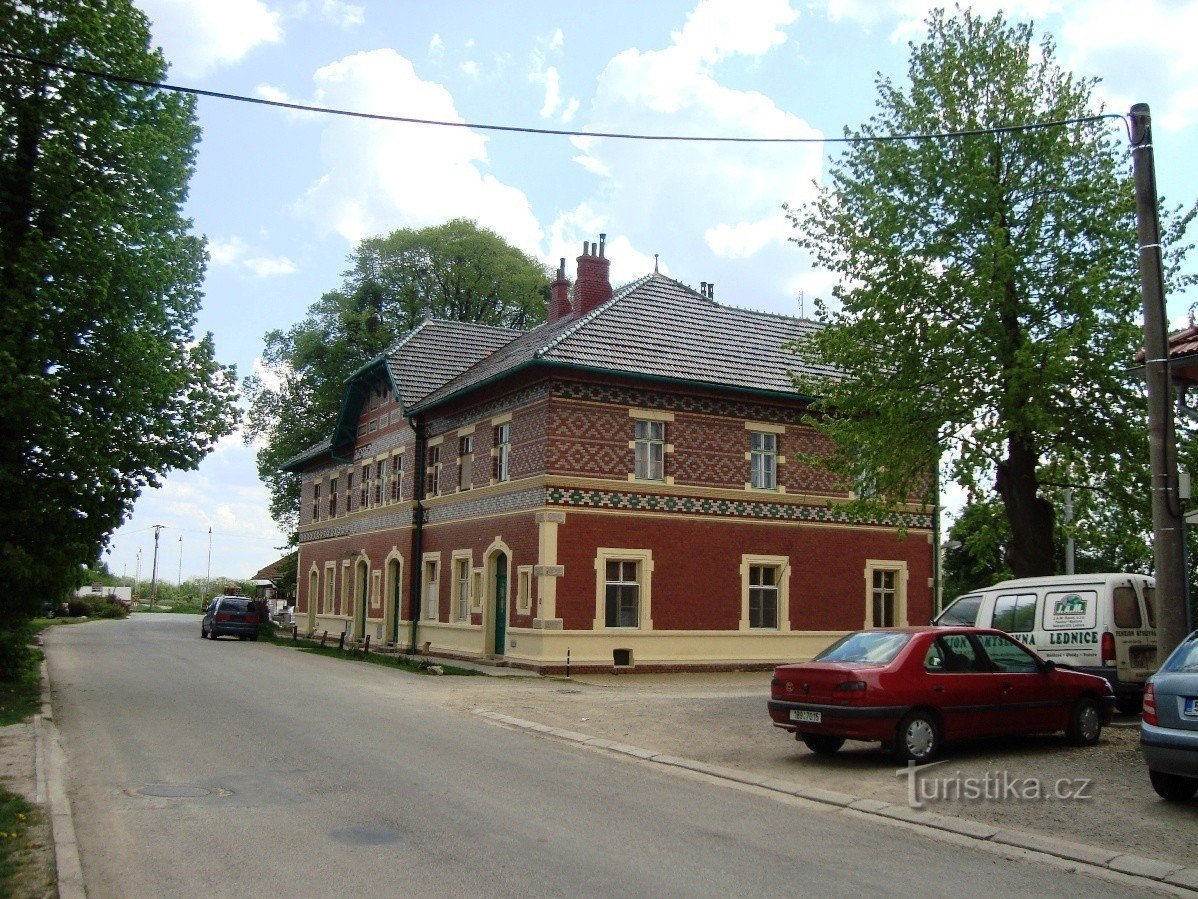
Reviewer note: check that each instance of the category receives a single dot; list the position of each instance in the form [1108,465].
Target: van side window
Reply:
[963,612]
[1150,605]
[1015,613]
[1127,608]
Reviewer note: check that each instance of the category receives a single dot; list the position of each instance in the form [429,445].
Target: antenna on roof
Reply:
[801,295]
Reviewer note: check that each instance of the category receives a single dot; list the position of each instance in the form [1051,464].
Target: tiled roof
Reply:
[437,351]
[657,327]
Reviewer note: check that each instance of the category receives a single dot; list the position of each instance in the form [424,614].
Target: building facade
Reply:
[617,488]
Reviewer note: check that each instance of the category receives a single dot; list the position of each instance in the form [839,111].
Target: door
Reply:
[1030,699]
[500,563]
[363,586]
[965,694]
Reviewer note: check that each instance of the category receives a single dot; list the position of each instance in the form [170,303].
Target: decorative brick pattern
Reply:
[649,502]
[488,505]
[484,412]
[590,441]
[341,527]
[676,402]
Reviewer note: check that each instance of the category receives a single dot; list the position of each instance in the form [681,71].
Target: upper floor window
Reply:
[432,485]
[396,477]
[364,488]
[380,478]
[332,497]
[315,502]
[650,450]
[466,462]
[763,460]
[349,490]
[503,451]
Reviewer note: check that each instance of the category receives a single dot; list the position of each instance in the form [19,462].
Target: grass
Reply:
[22,697]
[176,608]
[404,663]
[16,867]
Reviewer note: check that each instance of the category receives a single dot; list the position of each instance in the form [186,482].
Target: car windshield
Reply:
[1184,658]
[878,647]
[962,613]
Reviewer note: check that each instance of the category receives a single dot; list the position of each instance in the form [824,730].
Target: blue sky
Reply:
[283,197]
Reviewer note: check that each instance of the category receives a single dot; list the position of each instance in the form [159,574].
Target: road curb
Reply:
[51,784]
[1178,877]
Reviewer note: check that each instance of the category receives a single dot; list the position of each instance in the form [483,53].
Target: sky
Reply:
[282,196]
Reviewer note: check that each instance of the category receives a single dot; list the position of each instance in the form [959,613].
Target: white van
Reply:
[1101,624]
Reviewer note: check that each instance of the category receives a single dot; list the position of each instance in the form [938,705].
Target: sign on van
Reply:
[1069,610]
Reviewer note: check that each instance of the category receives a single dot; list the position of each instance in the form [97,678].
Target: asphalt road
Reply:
[244,769]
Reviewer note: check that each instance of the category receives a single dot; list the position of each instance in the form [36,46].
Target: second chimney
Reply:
[593,285]
[559,295]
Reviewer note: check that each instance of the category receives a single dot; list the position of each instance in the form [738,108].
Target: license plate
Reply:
[1191,707]
[810,717]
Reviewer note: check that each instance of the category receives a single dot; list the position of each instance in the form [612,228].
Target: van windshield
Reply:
[962,613]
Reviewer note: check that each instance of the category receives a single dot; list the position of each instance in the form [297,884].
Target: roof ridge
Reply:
[771,314]
[617,295]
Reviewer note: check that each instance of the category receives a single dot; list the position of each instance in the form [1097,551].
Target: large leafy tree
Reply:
[456,271]
[989,289]
[103,386]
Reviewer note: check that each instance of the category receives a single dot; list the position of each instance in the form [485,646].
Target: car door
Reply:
[961,687]
[1028,698]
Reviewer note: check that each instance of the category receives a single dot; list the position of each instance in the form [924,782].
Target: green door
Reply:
[362,600]
[500,603]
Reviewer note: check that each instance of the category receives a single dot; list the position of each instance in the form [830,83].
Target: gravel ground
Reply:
[722,719]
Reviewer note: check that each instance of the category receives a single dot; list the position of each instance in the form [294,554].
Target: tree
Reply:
[103,387]
[989,290]
[456,271]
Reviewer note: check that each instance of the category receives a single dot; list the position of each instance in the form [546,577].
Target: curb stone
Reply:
[1159,872]
[50,782]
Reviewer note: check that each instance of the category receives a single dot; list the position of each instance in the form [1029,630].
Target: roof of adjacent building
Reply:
[658,328]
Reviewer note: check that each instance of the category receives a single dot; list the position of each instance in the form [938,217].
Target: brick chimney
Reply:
[593,287]
[559,297]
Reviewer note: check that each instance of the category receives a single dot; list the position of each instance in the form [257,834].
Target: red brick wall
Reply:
[377,546]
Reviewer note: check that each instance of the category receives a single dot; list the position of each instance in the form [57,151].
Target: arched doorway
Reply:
[499,603]
[361,598]
[391,613]
[313,598]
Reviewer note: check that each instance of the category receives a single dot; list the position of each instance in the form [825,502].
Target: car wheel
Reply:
[203,634]
[917,738]
[1085,723]
[1173,787]
[822,744]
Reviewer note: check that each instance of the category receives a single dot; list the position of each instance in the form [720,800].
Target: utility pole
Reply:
[137,574]
[154,571]
[179,582]
[1069,534]
[208,573]
[1162,447]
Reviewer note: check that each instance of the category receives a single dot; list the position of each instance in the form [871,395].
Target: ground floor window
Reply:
[765,592]
[432,599]
[461,586]
[623,588]
[623,601]
[886,593]
[763,596]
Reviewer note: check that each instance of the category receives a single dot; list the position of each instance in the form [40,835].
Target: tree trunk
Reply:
[1031,552]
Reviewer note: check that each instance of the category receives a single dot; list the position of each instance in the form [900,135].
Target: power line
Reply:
[556,132]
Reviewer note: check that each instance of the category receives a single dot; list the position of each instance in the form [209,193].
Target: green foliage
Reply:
[455,271]
[97,607]
[103,385]
[988,288]
[17,657]
[17,815]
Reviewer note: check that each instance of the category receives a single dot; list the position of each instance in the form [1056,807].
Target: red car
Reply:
[914,688]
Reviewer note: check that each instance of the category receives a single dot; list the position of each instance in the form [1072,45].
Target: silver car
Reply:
[1169,726]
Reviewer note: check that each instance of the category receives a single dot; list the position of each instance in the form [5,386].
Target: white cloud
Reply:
[382,176]
[469,68]
[436,47]
[745,239]
[553,91]
[717,29]
[570,111]
[233,252]
[199,37]
[342,14]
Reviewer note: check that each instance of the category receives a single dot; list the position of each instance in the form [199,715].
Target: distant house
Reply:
[617,486]
[95,591]
[275,583]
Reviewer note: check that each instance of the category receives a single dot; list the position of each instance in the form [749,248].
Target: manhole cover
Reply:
[174,791]
[366,836]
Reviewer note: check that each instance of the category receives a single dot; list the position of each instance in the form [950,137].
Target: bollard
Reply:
[366,647]
[567,661]
[341,642]
[323,637]
[294,632]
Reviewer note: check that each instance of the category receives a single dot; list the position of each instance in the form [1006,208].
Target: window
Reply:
[462,588]
[432,484]
[524,588]
[1007,655]
[1150,605]
[376,589]
[332,497]
[963,611]
[380,477]
[650,450]
[330,575]
[503,451]
[1127,608]
[349,490]
[953,654]
[623,594]
[315,502]
[763,460]
[466,462]
[885,594]
[1014,613]
[396,478]
[364,488]
[763,596]
[432,599]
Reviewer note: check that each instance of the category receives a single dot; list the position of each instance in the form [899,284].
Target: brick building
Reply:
[617,485]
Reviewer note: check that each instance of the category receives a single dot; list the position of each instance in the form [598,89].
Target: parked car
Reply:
[1169,726]
[234,616]
[913,689]
[1102,624]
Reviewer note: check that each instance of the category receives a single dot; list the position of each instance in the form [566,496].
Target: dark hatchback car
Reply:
[1169,727]
[913,689]
[232,616]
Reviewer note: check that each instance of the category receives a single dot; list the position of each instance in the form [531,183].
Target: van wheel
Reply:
[1173,787]
[822,744]
[917,738]
[1085,723]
